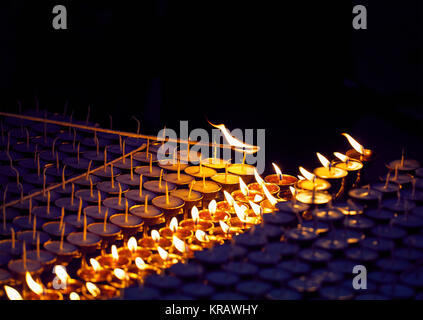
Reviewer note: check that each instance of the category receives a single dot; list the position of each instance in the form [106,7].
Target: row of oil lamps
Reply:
[242,208]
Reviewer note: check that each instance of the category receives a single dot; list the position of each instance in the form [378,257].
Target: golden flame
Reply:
[93,289]
[341,156]
[357,147]
[278,171]
[12,293]
[212,206]
[228,198]
[247,148]
[224,226]
[301,177]
[120,274]
[308,175]
[74,296]
[139,262]
[256,208]
[293,191]
[132,244]
[173,224]
[201,236]
[163,253]
[34,286]
[94,263]
[240,212]
[115,254]
[155,235]
[323,160]
[269,197]
[179,244]
[61,273]
[194,214]
[259,179]
[243,187]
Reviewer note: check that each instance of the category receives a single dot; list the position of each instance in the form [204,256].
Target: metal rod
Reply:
[121,133]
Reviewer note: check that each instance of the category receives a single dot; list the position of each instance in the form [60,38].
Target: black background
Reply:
[296,68]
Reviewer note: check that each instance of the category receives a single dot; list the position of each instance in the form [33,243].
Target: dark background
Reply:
[296,68]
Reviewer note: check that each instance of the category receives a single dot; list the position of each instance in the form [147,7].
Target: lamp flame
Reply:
[179,244]
[173,225]
[357,147]
[155,235]
[201,236]
[12,293]
[243,187]
[93,289]
[74,296]
[224,226]
[293,191]
[132,244]
[228,198]
[341,156]
[212,206]
[256,208]
[34,286]
[323,160]
[194,214]
[139,262]
[301,177]
[61,273]
[278,171]
[163,253]
[247,148]
[259,179]
[240,212]
[120,274]
[115,254]
[308,175]
[94,263]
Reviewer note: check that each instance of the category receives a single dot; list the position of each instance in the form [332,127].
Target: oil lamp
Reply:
[358,152]
[149,171]
[190,197]
[108,232]
[181,248]
[244,194]
[38,292]
[335,175]
[242,219]
[20,267]
[212,214]
[260,184]
[170,205]
[63,250]
[224,231]
[121,279]
[44,257]
[172,165]
[158,186]
[128,223]
[151,215]
[284,181]
[200,171]
[209,189]
[132,251]
[95,273]
[110,187]
[151,243]
[100,292]
[178,178]
[173,229]
[114,259]
[313,197]
[311,182]
[163,259]
[66,284]
[142,269]
[85,241]
[353,166]
[195,222]
[228,181]
[139,195]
